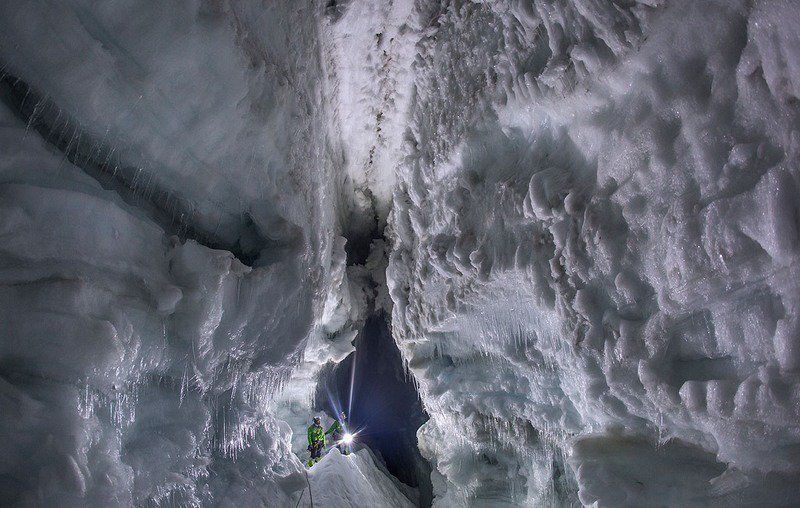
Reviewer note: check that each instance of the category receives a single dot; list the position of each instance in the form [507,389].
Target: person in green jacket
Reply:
[337,433]
[316,441]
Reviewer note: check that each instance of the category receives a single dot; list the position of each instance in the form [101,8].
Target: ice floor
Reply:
[357,479]
[579,218]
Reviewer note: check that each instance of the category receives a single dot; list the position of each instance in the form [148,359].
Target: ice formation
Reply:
[589,210]
[594,268]
[356,480]
[169,255]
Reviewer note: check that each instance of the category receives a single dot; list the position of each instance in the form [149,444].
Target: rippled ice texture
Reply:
[592,212]
[594,271]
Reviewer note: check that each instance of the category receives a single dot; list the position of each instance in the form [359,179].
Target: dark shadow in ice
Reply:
[385,406]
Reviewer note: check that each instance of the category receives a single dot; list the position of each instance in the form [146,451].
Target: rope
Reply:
[300,498]
[309,489]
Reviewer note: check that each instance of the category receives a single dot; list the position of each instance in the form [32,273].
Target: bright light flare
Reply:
[347,438]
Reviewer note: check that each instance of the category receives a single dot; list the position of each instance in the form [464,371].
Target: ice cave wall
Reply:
[592,219]
[595,251]
[169,257]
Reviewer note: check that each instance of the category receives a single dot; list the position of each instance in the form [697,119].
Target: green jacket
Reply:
[315,434]
[335,427]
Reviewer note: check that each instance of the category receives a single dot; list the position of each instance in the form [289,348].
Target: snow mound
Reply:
[357,479]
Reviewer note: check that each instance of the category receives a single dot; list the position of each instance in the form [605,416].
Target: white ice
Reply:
[595,252]
[357,479]
[138,367]
[591,213]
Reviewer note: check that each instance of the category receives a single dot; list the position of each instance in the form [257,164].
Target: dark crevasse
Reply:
[384,408]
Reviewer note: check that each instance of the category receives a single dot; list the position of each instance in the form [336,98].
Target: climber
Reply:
[338,433]
[316,441]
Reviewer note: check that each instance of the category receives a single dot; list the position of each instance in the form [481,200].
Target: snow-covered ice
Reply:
[357,479]
[590,220]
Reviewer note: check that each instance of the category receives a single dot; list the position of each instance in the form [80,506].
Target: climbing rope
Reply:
[310,495]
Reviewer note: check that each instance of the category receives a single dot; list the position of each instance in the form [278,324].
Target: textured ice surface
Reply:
[191,100]
[138,367]
[592,213]
[595,251]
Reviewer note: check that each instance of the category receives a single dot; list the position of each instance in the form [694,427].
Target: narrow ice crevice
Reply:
[368,50]
[382,403]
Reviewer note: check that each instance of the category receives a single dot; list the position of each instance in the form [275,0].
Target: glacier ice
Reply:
[595,251]
[582,216]
[160,286]
[356,480]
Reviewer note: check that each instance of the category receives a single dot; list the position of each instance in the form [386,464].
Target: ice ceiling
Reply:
[581,215]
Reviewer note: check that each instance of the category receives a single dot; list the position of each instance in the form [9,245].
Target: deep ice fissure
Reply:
[385,406]
[372,385]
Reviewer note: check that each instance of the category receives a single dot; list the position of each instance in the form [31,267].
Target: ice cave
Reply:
[541,253]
